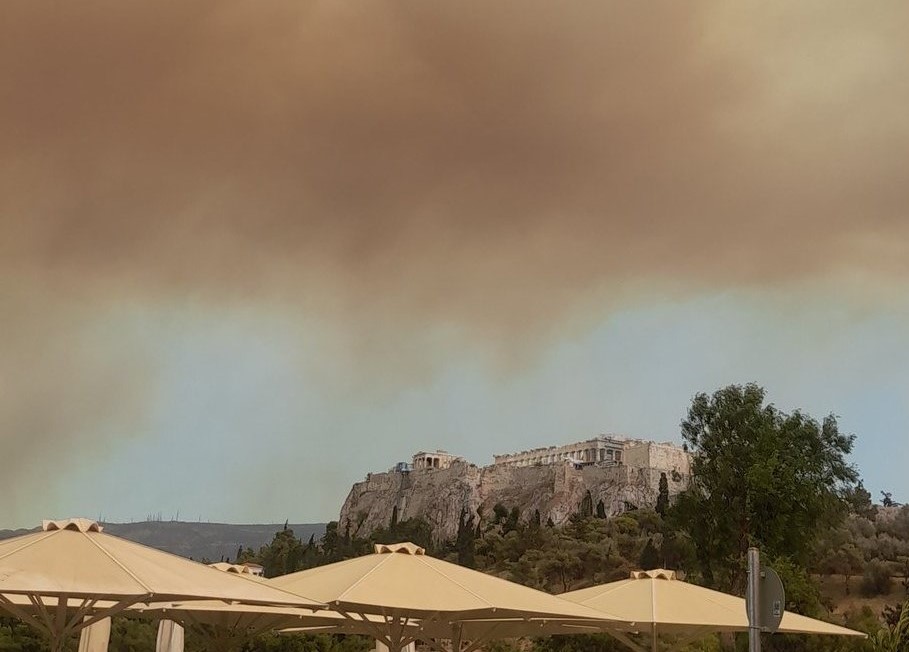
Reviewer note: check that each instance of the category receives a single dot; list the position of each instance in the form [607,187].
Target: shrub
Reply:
[876,579]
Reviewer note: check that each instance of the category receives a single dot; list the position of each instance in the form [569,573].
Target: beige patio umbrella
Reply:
[657,602]
[70,575]
[227,626]
[419,596]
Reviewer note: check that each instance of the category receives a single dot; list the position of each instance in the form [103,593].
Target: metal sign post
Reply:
[752,605]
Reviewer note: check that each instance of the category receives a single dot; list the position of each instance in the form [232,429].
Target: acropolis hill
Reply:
[619,472]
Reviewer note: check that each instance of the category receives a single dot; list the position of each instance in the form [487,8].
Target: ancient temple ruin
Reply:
[607,449]
[435,460]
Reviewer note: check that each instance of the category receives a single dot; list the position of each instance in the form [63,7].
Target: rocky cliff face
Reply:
[438,496]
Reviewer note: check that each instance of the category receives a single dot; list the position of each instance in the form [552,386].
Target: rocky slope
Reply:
[439,495]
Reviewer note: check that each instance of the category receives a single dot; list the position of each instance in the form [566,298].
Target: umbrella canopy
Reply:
[71,575]
[229,625]
[421,596]
[658,603]
[403,579]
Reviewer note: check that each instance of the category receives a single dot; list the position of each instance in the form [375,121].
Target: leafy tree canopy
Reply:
[760,477]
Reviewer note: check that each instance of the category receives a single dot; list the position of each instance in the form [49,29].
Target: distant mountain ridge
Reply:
[200,541]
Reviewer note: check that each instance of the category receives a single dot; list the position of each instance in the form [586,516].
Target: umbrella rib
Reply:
[604,590]
[41,609]
[101,614]
[653,605]
[454,581]
[145,586]
[80,612]
[378,632]
[709,598]
[361,579]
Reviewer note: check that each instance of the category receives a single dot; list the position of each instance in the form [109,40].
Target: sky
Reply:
[251,251]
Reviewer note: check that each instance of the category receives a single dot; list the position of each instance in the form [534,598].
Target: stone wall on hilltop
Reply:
[438,496]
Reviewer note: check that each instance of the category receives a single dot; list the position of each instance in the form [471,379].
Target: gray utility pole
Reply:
[754,601]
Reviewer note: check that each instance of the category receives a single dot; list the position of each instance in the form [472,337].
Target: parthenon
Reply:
[602,449]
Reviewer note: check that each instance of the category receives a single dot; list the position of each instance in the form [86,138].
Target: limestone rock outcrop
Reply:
[439,496]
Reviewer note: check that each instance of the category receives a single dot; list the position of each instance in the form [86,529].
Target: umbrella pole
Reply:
[57,641]
[654,641]
[456,638]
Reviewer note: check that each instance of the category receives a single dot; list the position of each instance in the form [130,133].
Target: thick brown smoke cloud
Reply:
[497,169]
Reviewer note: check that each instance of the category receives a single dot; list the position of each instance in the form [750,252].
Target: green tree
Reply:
[274,642]
[283,555]
[759,477]
[464,542]
[859,500]
[246,554]
[601,509]
[17,635]
[580,643]
[846,560]
[650,556]
[876,579]
[563,566]
[677,550]
[514,517]
[585,509]
[414,530]
[132,635]
[337,547]
[662,503]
